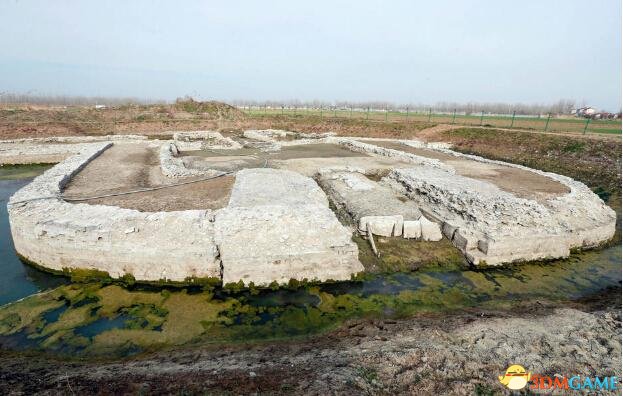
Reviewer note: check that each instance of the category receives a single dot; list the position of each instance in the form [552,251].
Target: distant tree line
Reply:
[66,100]
[563,106]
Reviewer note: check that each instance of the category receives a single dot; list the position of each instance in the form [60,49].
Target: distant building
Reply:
[586,112]
[98,107]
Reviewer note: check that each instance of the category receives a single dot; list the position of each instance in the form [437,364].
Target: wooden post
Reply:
[371,239]
[588,121]
[549,116]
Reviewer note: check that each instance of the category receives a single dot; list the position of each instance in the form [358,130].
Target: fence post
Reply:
[549,115]
[482,115]
[368,113]
[453,116]
[351,112]
[321,112]
[430,113]
[512,119]
[385,113]
[588,121]
[334,111]
[407,117]
[282,110]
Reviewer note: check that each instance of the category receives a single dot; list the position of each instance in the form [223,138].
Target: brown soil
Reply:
[430,133]
[308,157]
[126,167]
[319,150]
[524,184]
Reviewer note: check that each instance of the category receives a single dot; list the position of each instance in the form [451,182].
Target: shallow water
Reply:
[18,280]
[108,319]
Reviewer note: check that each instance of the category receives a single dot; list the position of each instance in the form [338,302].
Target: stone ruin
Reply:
[278,224]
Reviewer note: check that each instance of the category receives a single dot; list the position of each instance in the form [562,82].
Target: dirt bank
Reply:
[461,353]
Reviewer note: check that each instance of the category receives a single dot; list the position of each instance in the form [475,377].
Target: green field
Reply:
[577,125]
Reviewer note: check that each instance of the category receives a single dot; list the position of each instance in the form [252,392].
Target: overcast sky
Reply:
[402,51]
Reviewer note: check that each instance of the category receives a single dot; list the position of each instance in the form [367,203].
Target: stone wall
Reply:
[362,147]
[173,166]
[373,205]
[198,140]
[149,246]
[493,226]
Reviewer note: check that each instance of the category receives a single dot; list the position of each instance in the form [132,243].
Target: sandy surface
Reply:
[524,184]
[127,166]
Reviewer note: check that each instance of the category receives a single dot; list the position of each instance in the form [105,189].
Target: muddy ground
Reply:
[458,353]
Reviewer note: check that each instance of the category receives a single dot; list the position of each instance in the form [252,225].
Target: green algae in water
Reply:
[17,172]
[110,320]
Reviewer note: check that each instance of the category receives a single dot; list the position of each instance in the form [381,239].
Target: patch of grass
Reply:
[574,147]
[16,172]
[485,390]
[368,374]
[403,255]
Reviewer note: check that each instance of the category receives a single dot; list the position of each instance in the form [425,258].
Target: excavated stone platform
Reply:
[492,226]
[278,227]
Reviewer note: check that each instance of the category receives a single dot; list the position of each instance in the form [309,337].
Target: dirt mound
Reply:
[185,114]
[211,109]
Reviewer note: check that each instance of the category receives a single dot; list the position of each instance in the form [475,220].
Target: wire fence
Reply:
[545,123]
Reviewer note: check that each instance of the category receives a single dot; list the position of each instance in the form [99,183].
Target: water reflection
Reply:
[18,280]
